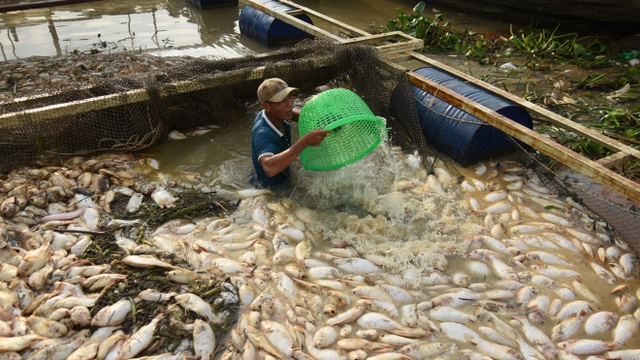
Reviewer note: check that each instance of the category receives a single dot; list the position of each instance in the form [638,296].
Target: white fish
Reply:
[603,273]
[556,219]
[324,272]
[460,298]
[585,346]
[373,320]
[561,241]
[114,314]
[423,349]
[497,351]
[481,186]
[584,237]
[182,276]
[18,343]
[87,351]
[204,340]
[627,328]
[163,198]
[46,327]
[444,313]
[494,335]
[33,260]
[578,307]
[325,337]
[600,322]
[146,261]
[547,258]
[565,329]
[195,303]
[291,232]
[537,337]
[553,271]
[475,206]
[496,195]
[434,185]
[328,354]
[356,265]
[140,339]
[631,354]
[467,186]
[229,266]
[458,332]
[350,315]
[585,291]
[499,207]
[480,169]
[176,135]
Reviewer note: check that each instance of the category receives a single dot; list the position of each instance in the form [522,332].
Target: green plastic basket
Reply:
[355,131]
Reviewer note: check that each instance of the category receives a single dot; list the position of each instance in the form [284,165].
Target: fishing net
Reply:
[131,110]
[215,288]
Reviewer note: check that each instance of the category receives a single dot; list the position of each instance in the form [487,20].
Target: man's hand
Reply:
[315,137]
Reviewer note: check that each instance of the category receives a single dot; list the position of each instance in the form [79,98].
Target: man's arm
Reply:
[275,164]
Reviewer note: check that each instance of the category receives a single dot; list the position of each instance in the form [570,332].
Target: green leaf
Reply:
[419,7]
[551,207]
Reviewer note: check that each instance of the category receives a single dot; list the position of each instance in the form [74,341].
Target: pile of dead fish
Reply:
[541,279]
[49,293]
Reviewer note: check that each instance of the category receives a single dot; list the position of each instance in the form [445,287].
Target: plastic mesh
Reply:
[356,131]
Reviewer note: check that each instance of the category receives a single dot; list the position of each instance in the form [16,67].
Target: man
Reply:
[271,148]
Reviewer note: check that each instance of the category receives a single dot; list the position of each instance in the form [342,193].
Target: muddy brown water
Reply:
[402,227]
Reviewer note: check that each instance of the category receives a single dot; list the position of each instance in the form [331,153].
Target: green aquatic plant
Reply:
[436,33]
[542,46]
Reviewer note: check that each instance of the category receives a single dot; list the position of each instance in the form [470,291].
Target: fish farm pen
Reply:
[474,249]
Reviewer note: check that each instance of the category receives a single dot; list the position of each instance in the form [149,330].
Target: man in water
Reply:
[271,149]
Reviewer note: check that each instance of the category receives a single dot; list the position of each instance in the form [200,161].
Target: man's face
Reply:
[282,110]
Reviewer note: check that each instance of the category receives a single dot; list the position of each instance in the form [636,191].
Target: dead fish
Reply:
[585,346]
[146,261]
[140,339]
[34,260]
[163,198]
[18,343]
[114,314]
[204,340]
[194,303]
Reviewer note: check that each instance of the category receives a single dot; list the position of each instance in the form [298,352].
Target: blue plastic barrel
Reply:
[268,30]
[458,134]
[212,4]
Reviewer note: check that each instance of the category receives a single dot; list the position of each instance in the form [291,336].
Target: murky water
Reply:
[378,205]
[172,27]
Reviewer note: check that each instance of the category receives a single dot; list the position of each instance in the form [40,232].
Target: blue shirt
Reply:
[266,139]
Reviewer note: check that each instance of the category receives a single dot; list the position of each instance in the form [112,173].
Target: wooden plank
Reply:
[556,119]
[402,41]
[26,5]
[614,159]
[294,21]
[566,156]
[321,16]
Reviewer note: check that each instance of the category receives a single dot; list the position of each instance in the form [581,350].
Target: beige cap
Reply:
[274,90]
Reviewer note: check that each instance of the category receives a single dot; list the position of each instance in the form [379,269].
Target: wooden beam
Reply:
[294,21]
[320,16]
[614,159]
[554,118]
[570,158]
[400,41]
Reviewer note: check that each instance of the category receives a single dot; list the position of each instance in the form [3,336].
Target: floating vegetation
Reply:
[191,204]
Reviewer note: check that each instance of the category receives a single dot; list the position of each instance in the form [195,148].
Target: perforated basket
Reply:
[355,130]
